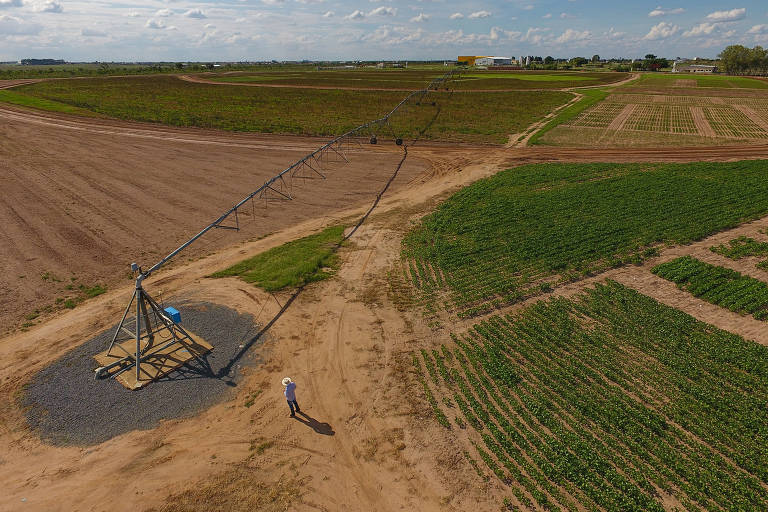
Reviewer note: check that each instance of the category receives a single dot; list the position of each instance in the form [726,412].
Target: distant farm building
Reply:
[468,60]
[694,68]
[493,61]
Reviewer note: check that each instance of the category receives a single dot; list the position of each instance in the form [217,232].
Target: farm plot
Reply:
[600,116]
[718,285]
[733,123]
[661,118]
[608,401]
[506,237]
[670,110]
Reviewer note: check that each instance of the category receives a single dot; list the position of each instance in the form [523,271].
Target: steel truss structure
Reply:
[152,321]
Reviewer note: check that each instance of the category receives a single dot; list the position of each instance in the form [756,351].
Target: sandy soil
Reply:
[366,443]
[700,120]
[93,196]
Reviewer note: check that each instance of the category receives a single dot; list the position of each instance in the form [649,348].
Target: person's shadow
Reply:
[321,428]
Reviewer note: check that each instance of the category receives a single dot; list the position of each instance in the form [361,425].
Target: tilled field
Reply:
[82,199]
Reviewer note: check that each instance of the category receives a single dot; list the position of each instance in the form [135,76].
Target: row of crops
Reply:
[525,229]
[718,285]
[744,247]
[608,401]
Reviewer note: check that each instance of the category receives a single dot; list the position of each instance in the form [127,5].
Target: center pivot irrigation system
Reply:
[155,329]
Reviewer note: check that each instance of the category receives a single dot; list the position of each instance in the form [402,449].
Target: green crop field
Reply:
[609,401]
[721,286]
[469,117]
[651,80]
[413,80]
[514,234]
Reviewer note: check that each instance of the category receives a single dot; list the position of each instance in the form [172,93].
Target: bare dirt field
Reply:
[83,199]
[105,193]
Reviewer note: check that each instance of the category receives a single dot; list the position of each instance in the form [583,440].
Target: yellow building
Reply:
[469,60]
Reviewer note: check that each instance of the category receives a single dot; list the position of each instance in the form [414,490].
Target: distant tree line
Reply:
[740,60]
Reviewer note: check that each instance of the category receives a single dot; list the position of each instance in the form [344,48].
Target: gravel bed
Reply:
[67,406]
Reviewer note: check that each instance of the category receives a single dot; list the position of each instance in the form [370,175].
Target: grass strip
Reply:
[296,263]
[591,96]
[717,285]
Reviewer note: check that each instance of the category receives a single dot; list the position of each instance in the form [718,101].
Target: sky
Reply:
[249,30]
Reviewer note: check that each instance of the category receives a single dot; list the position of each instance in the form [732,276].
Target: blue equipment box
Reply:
[173,314]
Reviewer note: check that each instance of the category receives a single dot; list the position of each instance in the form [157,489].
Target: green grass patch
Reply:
[618,396]
[549,77]
[417,79]
[591,97]
[465,117]
[650,80]
[717,285]
[499,239]
[296,263]
[17,98]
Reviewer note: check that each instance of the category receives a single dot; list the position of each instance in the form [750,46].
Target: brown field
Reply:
[95,195]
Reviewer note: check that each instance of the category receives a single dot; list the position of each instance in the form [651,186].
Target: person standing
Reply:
[290,395]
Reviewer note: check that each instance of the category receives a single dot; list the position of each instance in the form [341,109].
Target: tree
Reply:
[653,63]
[650,56]
[578,61]
[738,60]
[595,58]
[549,59]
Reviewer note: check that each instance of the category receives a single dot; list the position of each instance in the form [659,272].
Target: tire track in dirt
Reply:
[620,120]
[700,120]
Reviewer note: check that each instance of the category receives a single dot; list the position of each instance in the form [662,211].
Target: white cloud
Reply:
[479,14]
[528,7]
[534,35]
[10,25]
[329,14]
[310,1]
[420,18]
[10,3]
[702,29]
[356,15]
[240,20]
[273,2]
[155,24]
[456,16]
[49,6]
[133,14]
[565,15]
[732,15]
[571,35]
[197,14]
[547,16]
[613,34]
[209,26]
[92,32]
[660,11]
[164,13]
[383,11]
[661,31]
[758,29]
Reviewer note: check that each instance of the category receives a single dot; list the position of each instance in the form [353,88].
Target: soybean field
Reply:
[607,401]
[527,229]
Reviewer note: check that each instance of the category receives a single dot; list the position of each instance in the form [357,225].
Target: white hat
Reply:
[286,381]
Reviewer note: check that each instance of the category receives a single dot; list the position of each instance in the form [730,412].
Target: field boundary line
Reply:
[700,120]
[620,120]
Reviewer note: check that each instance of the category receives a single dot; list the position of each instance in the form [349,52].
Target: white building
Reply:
[493,61]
